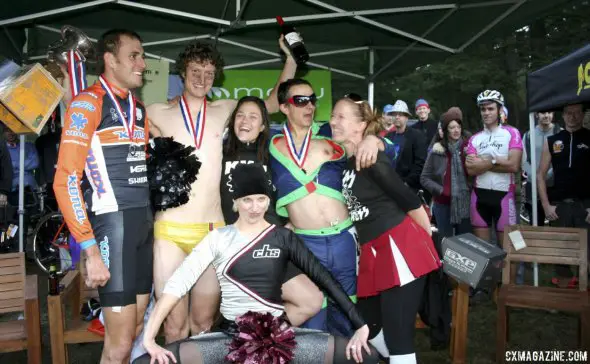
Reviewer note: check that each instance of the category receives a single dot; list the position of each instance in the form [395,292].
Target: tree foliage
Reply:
[500,63]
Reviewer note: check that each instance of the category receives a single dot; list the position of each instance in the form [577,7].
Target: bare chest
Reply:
[319,152]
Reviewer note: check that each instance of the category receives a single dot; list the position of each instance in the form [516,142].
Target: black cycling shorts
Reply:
[125,240]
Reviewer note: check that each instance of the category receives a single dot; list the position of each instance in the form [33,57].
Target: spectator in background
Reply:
[31,163]
[5,173]
[47,147]
[445,177]
[387,120]
[411,145]
[568,153]
[544,129]
[425,124]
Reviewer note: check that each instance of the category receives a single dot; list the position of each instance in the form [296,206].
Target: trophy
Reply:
[71,39]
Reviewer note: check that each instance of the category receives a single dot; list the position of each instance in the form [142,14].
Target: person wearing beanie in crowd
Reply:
[444,176]
[425,124]
[411,145]
[387,120]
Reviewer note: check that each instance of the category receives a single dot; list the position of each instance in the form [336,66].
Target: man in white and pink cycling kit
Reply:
[493,157]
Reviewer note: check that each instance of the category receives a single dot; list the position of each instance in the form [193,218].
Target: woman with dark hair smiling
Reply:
[445,177]
[248,135]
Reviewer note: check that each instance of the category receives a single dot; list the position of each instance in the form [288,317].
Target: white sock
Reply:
[403,359]
[378,343]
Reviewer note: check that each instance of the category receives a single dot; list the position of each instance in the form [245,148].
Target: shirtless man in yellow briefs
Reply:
[194,121]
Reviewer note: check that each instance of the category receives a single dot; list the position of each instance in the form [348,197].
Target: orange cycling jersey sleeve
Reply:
[81,120]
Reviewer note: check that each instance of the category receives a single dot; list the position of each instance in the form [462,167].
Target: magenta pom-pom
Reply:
[262,339]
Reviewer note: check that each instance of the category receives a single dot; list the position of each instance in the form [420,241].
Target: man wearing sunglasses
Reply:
[307,169]
[196,122]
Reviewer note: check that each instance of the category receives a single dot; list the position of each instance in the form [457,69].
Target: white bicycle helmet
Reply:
[490,95]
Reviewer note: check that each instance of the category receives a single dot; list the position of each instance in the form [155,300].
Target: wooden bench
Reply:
[66,330]
[18,294]
[547,245]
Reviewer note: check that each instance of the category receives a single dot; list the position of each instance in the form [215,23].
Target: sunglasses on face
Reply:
[302,101]
[356,98]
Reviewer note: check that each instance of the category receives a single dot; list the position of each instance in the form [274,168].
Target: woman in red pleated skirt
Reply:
[396,248]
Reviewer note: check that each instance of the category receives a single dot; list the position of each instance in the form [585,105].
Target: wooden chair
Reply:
[547,245]
[18,293]
[69,330]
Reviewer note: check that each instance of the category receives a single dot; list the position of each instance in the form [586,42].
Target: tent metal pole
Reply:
[343,14]
[384,27]
[336,70]
[339,51]
[175,40]
[411,46]
[55,30]
[399,48]
[488,3]
[21,193]
[533,181]
[492,24]
[371,93]
[48,13]
[260,50]
[237,8]
[182,14]
[255,63]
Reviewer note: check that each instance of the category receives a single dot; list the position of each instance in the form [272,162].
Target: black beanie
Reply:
[249,179]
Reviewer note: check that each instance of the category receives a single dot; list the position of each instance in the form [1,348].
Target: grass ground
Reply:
[529,330]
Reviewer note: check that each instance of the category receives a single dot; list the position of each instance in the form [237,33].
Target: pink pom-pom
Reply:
[262,339]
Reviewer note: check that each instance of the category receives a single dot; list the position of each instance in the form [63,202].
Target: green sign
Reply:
[259,83]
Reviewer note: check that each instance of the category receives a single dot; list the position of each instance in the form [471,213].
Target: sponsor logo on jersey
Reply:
[115,115]
[558,146]
[138,157]
[266,252]
[138,169]
[83,105]
[78,123]
[95,175]
[138,114]
[122,134]
[75,199]
[137,180]
[104,251]
[582,146]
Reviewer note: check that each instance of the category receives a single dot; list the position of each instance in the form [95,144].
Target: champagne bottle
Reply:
[53,281]
[294,42]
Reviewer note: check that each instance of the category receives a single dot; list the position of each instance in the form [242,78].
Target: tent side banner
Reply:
[566,81]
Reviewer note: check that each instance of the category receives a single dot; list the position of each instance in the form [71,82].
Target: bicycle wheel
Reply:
[50,234]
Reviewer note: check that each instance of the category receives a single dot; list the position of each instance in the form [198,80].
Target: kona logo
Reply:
[94,173]
[459,261]
[583,77]
[75,199]
[104,251]
[266,252]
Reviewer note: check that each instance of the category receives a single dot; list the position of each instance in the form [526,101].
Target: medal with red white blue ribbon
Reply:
[129,124]
[196,129]
[76,72]
[300,155]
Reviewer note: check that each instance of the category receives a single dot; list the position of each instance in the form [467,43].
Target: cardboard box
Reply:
[28,97]
[471,260]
